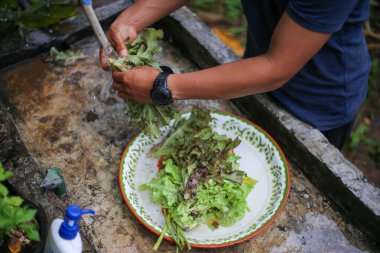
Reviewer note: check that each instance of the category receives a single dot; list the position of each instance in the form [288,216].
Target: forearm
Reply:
[144,13]
[292,46]
[235,79]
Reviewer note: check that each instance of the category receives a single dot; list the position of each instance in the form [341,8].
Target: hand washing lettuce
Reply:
[141,52]
[200,181]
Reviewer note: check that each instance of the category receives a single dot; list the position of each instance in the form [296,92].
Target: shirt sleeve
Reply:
[324,16]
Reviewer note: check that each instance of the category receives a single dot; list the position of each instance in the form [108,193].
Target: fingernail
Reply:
[123,53]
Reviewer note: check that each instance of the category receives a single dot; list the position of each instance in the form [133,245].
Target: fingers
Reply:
[120,83]
[124,95]
[103,60]
[134,84]
[130,98]
[132,34]
[118,87]
[119,45]
[120,77]
[122,91]
[118,34]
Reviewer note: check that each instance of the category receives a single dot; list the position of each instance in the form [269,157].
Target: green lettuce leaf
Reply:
[166,185]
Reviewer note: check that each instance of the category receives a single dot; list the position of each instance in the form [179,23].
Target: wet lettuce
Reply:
[141,52]
[200,181]
[166,185]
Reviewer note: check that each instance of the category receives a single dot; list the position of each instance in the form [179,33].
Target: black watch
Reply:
[160,94]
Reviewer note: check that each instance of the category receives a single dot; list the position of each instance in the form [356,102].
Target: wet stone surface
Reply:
[69,117]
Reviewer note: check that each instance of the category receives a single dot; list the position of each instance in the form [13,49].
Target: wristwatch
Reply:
[160,94]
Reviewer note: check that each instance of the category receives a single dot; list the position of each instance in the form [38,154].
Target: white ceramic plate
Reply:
[261,158]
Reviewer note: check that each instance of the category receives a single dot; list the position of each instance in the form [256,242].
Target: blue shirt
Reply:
[329,90]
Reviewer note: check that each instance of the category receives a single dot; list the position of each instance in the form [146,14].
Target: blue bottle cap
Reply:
[69,228]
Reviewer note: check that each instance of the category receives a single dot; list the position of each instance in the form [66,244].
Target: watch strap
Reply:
[166,69]
[160,94]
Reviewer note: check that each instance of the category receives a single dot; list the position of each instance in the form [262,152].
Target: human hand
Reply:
[118,33]
[135,84]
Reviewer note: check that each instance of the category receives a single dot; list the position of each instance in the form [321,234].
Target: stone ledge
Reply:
[305,147]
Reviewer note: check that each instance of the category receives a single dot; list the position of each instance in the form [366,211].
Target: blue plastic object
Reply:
[86,2]
[69,228]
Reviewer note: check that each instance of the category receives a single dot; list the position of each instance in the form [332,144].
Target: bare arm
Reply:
[292,46]
[144,13]
[138,16]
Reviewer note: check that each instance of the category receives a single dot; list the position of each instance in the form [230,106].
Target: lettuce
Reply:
[141,52]
[214,204]
[165,186]
[200,181]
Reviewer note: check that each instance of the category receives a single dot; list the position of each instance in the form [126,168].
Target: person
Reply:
[310,57]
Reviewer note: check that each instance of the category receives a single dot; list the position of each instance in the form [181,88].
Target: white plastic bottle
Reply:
[64,235]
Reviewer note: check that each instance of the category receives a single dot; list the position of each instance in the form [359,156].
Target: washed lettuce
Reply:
[141,52]
[216,204]
[200,181]
[166,185]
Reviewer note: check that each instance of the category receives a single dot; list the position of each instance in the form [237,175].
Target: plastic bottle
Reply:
[64,235]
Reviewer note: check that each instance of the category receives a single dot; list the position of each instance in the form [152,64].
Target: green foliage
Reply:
[14,216]
[356,136]
[40,13]
[373,81]
[374,149]
[239,31]
[141,52]
[232,9]
[375,152]
[360,135]
[204,5]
